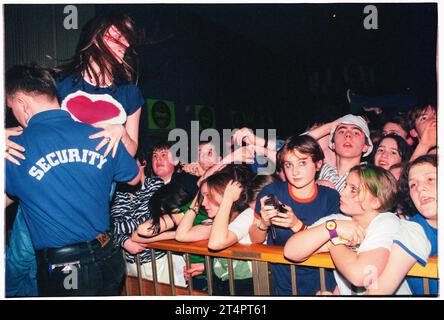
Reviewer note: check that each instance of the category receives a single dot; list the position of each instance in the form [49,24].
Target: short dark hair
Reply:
[416,112]
[402,121]
[304,144]
[31,79]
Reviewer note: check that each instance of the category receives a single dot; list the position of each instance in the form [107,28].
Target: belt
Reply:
[76,250]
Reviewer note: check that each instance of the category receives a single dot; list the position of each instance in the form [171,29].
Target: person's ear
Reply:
[375,203]
[365,148]
[319,164]
[413,133]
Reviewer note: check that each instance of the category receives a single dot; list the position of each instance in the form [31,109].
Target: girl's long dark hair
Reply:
[92,46]
[166,201]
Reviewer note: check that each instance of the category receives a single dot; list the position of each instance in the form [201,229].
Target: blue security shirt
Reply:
[90,104]
[324,202]
[416,283]
[63,185]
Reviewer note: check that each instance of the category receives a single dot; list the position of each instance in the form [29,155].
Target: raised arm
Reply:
[220,237]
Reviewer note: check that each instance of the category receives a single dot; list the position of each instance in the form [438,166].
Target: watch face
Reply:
[331,225]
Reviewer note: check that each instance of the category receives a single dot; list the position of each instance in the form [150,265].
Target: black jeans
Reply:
[85,270]
[244,287]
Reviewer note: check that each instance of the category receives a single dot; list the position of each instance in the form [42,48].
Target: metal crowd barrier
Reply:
[261,256]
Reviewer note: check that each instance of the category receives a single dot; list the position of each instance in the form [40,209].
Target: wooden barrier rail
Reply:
[259,255]
[275,254]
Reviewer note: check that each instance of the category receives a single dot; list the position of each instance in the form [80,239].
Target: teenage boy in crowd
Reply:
[298,202]
[349,141]
[423,123]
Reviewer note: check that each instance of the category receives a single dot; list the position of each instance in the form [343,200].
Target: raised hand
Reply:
[351,231]
[111,134]
[285,219]
[232,191]
[267,212]
[12,149]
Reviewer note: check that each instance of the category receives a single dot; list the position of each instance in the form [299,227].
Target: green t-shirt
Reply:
[241,269]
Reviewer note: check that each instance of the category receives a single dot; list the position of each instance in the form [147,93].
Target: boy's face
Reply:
[207,156]
[422,185]
[349,141]
[299,168]
[163,164]
[423,120]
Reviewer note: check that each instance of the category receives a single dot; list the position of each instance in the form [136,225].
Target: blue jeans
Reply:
[20,261]
[87,270]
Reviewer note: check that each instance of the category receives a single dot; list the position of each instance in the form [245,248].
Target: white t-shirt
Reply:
[412,238]
[241,225]
[379,234]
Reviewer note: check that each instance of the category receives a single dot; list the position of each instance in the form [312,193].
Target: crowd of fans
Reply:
[365,195]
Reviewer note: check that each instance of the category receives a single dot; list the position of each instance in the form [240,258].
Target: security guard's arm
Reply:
[136,180]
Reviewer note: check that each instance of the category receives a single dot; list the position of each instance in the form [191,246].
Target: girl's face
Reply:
[422,185]
[387,154]
[299,168]
[353,200]
[211,200]
[116,43]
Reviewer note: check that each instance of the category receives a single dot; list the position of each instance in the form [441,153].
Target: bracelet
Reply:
[302,228]
[193,209]
[258,225]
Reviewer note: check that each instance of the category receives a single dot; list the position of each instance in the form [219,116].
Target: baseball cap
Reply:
[357,121]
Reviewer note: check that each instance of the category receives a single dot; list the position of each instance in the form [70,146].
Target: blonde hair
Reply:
[379,182]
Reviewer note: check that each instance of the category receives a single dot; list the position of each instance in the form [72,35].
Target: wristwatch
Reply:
[331,225]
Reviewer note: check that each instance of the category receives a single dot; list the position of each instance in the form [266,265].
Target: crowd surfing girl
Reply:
[96,86]
[226,203]
[418,236]
[359,240]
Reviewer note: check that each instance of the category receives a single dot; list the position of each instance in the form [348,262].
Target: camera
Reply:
[274,201]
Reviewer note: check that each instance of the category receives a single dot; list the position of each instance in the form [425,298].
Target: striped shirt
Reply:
[331,174]
[129,210]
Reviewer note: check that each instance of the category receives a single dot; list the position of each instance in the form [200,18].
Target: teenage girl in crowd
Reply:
[226,202]
[359,240]
[96,86]
[418,236]
[391,150]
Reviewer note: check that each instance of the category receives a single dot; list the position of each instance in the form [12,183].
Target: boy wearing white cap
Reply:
[349,140]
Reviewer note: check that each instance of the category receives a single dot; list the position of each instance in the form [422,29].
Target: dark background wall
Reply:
[285,65]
